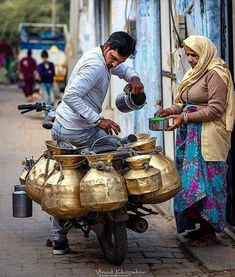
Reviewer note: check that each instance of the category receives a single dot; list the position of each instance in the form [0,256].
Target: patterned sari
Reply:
[203,183]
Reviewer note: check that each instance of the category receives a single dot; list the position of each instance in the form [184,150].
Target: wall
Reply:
[148,62]
[203,18]
[118,10]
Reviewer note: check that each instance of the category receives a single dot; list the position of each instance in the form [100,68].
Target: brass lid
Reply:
[56,150]
[68,160]
[138,161]
[141,136]
[144,145]
[104,157]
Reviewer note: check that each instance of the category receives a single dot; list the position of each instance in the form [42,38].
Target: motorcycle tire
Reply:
[113,241]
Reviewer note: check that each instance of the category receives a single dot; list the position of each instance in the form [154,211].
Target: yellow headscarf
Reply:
[208,60]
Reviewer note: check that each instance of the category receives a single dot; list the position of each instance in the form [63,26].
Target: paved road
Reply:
[23,250]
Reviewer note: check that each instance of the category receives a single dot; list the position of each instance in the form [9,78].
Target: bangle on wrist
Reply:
[185,116]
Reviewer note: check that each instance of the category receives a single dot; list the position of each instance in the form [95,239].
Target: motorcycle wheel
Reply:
[113,241]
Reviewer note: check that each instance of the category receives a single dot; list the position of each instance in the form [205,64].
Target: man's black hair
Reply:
[123,43]
[29,53]
[44,54]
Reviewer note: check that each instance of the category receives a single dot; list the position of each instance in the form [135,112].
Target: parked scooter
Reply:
[110,189]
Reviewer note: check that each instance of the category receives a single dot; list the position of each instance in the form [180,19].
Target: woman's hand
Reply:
[178,121]
[164,112]
[109,126]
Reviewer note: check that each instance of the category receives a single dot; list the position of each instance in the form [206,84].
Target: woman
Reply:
[203,112]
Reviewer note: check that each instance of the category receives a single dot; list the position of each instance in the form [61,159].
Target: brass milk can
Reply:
[36,177]
[61,195]
[142,178]
[102,189]
[170,179]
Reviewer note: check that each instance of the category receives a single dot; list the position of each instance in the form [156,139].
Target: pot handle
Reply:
[127,89]
[108,136]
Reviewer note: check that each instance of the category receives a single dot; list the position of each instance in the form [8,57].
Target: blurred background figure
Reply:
[27,74]
[46,72]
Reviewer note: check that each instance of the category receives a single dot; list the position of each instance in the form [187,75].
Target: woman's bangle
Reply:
[185,116]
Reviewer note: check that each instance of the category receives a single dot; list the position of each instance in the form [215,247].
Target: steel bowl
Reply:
[158,123]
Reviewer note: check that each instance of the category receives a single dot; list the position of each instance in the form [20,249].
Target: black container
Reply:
[21,203]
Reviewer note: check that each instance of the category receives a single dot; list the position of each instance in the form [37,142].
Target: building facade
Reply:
[159,27]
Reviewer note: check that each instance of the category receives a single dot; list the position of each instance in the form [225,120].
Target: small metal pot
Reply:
[158,123]
[130,102]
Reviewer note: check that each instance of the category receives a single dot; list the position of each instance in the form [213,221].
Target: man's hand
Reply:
[135,85]
[109,126]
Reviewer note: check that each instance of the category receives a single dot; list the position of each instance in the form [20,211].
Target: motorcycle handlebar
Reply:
[40,106]
[26,107]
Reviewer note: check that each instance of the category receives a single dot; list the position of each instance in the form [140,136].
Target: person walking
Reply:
[203,113]
[78,117]
[27,73]
[46,72]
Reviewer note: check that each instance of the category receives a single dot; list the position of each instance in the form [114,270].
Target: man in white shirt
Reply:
[78,118]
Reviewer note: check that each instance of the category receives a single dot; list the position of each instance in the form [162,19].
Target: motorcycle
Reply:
[110,226]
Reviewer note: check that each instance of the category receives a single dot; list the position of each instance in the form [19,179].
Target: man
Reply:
[78,118]
[27,74]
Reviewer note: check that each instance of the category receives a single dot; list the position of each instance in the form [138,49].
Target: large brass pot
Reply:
[36,177]
[142,136]
[142,178]
[61,195]
[102,189]
[170,179]
[146,144]
[23,175]
[56,150]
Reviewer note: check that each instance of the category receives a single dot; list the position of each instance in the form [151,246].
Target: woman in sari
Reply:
[203,112]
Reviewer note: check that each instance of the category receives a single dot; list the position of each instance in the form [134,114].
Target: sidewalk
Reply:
[23,251]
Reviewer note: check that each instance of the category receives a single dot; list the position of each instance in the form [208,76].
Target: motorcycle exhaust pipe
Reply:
[21,203]
[137,223]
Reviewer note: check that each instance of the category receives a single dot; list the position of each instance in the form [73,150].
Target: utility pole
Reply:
[53,15]
[73,51]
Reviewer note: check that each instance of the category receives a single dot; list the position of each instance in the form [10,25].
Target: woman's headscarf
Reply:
[208,60]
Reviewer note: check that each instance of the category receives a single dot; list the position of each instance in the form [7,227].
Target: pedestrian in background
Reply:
[203,112]
[27,73]
[46,71]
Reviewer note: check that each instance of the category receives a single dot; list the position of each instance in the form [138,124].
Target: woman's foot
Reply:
[205,240]
[194,235]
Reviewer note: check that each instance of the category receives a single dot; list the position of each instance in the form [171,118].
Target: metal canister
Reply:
[159,123]
[21,203]
[130,102]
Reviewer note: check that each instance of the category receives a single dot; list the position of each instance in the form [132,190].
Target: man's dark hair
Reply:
[123,43]
[44,54]
[29,53]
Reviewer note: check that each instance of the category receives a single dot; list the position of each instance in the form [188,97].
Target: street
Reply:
[23,250]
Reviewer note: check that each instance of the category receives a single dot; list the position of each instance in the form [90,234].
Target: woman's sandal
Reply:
[206,240]
[193,235]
